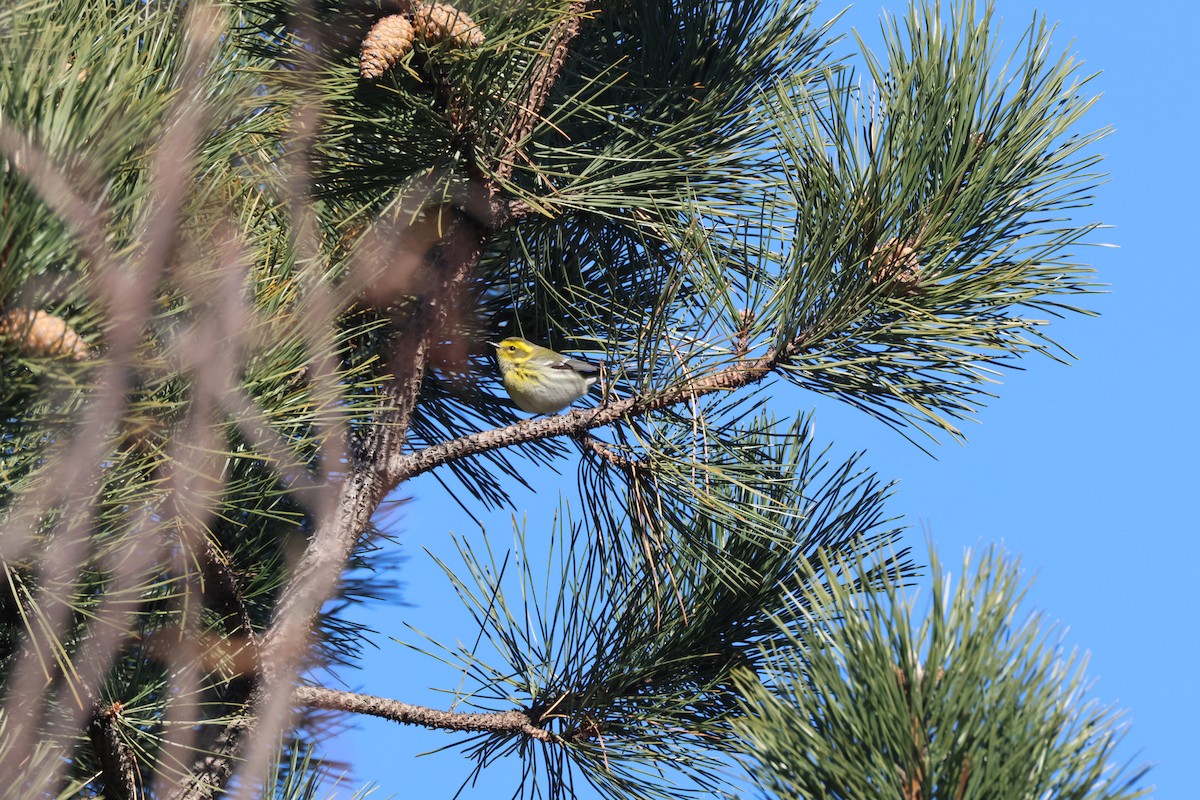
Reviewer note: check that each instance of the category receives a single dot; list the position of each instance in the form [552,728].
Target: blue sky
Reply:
[1081,471]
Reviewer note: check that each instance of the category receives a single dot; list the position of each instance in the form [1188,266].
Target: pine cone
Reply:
[440,22]
[42,335]
[897,264]
[384,45]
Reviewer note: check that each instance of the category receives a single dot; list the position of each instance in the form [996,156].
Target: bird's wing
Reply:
[578,365]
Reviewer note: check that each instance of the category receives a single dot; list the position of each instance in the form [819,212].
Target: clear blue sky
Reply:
[1081,471]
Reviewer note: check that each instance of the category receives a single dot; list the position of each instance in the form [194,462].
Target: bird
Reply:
[540,380]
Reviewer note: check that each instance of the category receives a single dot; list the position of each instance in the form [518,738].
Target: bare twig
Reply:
[513,722]
[601,449]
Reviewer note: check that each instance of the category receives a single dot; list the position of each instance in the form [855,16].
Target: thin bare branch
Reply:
[512,722]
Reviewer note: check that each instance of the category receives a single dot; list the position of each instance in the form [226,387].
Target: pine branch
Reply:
[632,652]
[128,291]
[502,722]
[893,678]
[541,83]
[655,676]
[226,593]
[492,208]
[119,770]
[629,466]
[735,376]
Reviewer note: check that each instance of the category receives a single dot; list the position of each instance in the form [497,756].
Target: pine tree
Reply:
[252,255]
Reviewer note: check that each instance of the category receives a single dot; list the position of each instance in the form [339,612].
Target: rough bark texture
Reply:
[116,758]
[514,722]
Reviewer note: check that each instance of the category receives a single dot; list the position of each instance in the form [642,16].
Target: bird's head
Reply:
[513,351]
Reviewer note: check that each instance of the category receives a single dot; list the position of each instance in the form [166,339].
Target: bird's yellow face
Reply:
[513,352]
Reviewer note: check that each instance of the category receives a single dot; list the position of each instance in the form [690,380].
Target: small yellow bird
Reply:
[539,380]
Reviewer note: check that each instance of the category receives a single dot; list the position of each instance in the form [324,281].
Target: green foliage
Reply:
[931,209]
[624,644]
[872,699]
[298,776]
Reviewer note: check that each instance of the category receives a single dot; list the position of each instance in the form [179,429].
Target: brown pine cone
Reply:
[897,264]
[42,335]
[384,45]
[440,22]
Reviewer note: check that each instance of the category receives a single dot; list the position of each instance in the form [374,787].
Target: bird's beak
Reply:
[495,345]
